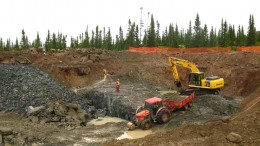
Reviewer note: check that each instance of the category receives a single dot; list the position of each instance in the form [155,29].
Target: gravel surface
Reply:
[26,85]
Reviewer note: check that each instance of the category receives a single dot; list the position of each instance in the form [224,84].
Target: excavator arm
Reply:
[180,62]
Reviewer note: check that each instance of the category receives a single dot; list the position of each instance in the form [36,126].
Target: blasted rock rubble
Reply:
[25,87]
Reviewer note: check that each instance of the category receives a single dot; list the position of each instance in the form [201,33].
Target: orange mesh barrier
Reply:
[249,49]
[178,50]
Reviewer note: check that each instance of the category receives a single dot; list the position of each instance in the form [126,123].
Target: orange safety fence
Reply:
[249,49]
[192,50]
[178,50]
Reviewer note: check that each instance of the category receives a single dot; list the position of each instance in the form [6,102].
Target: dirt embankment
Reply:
[79,68]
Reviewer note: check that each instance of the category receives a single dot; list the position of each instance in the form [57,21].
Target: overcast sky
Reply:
[72,17]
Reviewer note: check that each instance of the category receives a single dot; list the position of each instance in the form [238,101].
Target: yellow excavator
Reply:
[197,81]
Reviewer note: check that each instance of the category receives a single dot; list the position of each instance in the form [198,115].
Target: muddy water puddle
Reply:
[104,120]
[135,134]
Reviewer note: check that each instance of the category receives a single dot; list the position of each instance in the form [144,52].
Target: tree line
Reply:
[195,36]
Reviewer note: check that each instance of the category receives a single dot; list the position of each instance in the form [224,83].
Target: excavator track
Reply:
[200,91]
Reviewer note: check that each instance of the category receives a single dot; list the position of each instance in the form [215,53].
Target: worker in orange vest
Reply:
[117,85]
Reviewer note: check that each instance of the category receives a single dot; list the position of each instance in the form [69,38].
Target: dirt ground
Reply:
[80,68]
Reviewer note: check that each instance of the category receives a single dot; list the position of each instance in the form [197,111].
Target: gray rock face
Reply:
[25,85]
[103,95]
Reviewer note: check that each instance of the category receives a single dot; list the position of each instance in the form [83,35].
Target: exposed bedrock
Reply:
[124,104]
[103,95]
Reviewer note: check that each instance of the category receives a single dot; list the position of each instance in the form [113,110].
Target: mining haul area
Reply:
[61,98]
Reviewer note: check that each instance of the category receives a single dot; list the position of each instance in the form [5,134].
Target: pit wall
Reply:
[115,105]
[192,50]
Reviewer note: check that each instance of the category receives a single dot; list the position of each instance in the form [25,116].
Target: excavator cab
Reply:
[195,78]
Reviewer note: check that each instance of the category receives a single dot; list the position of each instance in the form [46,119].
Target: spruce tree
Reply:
[227,34]
[16,46]
[64,42]
[164,38]
[244,38]
[224,37]
[212,38]
[121,39]
[48,43]
[1,44]
[8,44]
[205,37]
[151,40]
[72,43]
[85,43]
[54,41]
[239,38]
[181,39]
[136,37]
[188,37]
[108,40]
[116,45]
[92,41]
[158,37]
[37,41]
[104,38]
[24,41]
[96,38]
[99,39]
[170,36]
[251,34]
[130,38]
[176,37]
[145,38]
[59,41]
[76,42]
[197,32]
[232,35]
[258,36]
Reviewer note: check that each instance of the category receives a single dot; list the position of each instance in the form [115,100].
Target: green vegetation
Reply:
[251,35]
[172,36]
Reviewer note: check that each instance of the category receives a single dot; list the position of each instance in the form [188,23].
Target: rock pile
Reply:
[67,114]
[25,85]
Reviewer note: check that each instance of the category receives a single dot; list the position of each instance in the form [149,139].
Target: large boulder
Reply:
[234,137]
[5,131]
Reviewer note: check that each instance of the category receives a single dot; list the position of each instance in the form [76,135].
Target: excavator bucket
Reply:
[178,84]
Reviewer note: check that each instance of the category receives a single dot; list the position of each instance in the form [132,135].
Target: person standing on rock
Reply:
[117,85]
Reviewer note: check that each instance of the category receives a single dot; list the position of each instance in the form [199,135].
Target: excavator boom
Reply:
[180,62]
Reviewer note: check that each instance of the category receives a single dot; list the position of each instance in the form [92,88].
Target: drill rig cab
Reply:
[197,81]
